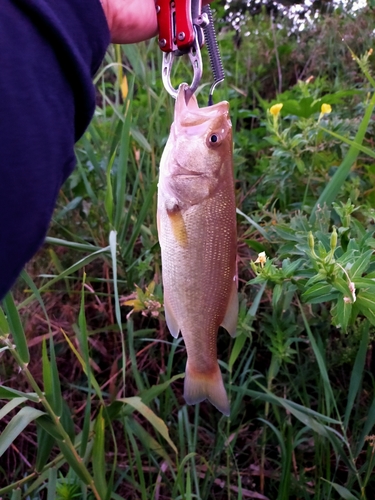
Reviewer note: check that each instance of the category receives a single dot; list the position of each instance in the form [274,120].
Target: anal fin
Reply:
[231,315]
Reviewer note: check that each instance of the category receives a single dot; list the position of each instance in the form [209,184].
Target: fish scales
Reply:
[197,234]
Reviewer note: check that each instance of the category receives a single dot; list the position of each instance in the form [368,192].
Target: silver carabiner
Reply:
[196,62]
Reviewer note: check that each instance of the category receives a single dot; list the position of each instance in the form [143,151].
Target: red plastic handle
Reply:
[184,25]
[165,16]
[175,23]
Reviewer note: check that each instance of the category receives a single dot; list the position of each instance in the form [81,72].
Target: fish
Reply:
[196,218]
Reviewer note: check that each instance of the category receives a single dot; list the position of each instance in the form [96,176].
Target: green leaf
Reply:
[9,393]
[52,482]
[16,494]
[17,425]
[367,283]
[147,440]
[254,224]
[45,444]
[4,327]
[366,303]
[319,290]
[83,343]
[335,184]
[343,492]
[75,462]
[140,139]
[343,312]
[98,455]
[360,265]
[16,328]
[46,423]
[8,407]
[51,386]
[239,342]
[368,428]
[72,269]
[342,286]
[122,166]
[154,420]
[108,200]
[357,373]
[321,363]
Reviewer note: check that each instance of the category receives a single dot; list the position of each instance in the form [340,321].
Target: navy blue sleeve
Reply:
[49,51]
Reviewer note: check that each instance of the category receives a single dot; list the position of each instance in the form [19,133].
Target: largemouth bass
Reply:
[197,235]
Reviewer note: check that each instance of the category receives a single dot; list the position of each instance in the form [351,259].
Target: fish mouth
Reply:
[185,172]
[191,174]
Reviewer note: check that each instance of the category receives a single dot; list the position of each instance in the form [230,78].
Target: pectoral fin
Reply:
[231,315]
[170,318]
[178,226]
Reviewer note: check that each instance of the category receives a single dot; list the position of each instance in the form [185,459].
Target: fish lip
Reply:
[189,173]
[185,172]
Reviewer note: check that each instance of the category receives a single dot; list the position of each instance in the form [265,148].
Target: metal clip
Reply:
[181,24]
[196,62]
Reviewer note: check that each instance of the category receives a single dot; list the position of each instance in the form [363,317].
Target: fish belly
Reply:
[199,268]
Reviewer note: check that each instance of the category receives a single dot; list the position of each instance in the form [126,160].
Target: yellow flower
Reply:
[262,258]
[325,109]
[275,109]
[370,51]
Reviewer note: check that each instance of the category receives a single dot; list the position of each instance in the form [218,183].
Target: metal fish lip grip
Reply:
[184,26]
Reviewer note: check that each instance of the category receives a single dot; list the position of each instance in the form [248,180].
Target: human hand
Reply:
[132,21]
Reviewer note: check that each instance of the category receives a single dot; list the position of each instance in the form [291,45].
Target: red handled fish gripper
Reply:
[180,32]
[183,27]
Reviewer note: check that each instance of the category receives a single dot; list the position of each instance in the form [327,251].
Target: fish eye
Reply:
[214,140]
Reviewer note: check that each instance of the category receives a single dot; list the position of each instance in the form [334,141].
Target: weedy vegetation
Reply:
[91,381]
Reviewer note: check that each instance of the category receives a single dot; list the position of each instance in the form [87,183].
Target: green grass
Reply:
[97,390]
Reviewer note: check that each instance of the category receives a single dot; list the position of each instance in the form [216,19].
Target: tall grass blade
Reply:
[72,269]
[149,442]
[45,444]
[113,248]
[139,468]
[108,200]
[147,203]
[11,405]
[130,336]
[83,343]
[254,224]
[52,483]
[17,425]
[329,397]
[122,167]
[154,420]
[4,327]
[16,494]
[241,339]
[9,393]
[75,462]
[343,492]
[85,247]
[357,373]
[53,393]
[368,429]
[98,455]
[16,328]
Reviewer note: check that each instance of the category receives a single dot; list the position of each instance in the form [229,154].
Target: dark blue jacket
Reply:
[49,51]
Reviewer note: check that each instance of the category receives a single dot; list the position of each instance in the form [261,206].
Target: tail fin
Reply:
[200,386]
